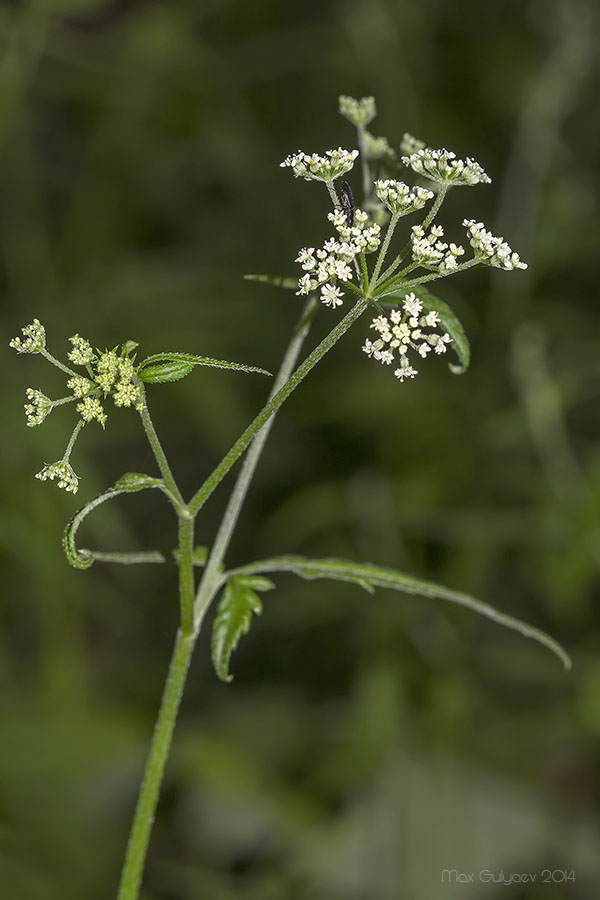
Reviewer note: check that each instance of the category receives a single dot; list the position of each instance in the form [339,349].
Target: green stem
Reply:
[436,206]
[159,749]
[187,579]
[214,479]
[424,224]
[384,249]
[58,364]
[159,455]
[398,276]
[402,285]
[334,197]
[72,439]
[238,495]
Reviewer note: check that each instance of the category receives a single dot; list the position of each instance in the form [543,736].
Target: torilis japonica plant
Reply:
[363,265]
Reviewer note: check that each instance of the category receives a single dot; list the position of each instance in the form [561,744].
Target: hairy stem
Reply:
[186,572]
[384,248]
[238,495]
[213,480]
[159,749]
[159,455]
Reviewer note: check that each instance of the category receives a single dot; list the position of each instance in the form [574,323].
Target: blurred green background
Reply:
[366,743]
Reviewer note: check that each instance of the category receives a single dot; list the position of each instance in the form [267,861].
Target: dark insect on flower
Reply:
[347,201]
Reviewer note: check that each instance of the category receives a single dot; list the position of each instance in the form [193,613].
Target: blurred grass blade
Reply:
[275,281]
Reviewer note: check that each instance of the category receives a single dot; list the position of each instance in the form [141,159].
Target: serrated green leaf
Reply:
[233,619]
[449,322]
[168,366]
[162,373]
[275,281]
[369,577]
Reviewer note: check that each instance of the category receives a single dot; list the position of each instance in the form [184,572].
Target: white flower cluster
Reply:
[332,262]
[491,250]
[38,408]
[326,168]
[403,330]
[443,166]
[35,339]
[359,112]
[431,252]
[62,470]
[399,198]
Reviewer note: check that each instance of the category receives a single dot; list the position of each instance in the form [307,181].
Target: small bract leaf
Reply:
[136,481]
[163,367]
[233,619]
[127,484]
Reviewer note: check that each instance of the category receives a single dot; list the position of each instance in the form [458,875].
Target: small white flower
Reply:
[404,331]
[306,258]
[494,251]
[358,112]
[38,408]
[412,305]
[313,167]
[35,339]
[305,285]
[443,166]
[405,370]
[62,470]
[331,295]
[399,198]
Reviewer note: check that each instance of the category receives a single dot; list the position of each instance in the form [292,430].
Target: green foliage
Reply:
[233,618]
[162,367]
[369,577]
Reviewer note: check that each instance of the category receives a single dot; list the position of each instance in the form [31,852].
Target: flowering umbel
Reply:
[313,167]
[108,373]
[340,266]
[404,330]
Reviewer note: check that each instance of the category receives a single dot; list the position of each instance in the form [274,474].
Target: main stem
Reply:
[159,750]
[187,635]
